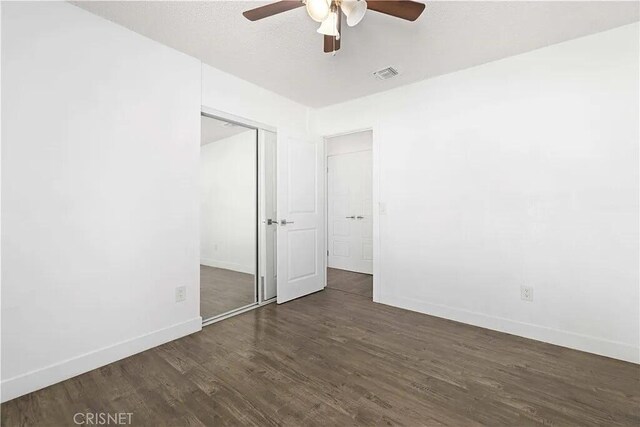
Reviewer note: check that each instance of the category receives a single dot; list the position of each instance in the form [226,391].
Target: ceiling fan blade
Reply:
[271,9]
[331,44]
[404,9]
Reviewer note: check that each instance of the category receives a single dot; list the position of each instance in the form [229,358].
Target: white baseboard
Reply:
[227,265]
[603,347]
[52,374]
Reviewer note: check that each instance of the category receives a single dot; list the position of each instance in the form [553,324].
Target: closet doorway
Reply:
[237,244]
[350,213]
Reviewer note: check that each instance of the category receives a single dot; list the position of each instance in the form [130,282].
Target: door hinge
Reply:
[327,253]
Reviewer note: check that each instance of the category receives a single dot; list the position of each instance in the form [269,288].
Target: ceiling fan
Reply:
[327,12]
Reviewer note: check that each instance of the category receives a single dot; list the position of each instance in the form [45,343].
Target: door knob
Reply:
[269,221]
[285,222]
[359,217]
[350,217]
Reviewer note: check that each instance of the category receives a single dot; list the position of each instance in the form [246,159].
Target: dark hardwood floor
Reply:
[224,290]
[335,358]
[348,281]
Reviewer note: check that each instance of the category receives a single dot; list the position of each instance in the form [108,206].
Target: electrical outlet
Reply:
[526,293]
[181,293]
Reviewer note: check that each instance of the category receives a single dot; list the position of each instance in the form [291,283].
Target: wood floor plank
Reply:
[348,281]
[335,358]
[223,290]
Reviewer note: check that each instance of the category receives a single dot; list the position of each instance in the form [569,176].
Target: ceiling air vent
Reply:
[386,73]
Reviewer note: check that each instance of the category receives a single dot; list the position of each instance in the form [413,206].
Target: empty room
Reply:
[320,212]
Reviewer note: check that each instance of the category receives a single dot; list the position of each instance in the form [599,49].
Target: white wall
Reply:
[100,188]
[349,143]
[228,189]
[523,171]
[100,152]
[229,94]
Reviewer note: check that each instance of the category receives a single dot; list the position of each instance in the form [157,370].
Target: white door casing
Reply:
[300,241]
[350,212]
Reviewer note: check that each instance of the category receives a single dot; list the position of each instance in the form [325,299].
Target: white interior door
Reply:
[350,225]
[300,211]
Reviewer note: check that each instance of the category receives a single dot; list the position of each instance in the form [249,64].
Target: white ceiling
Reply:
[283,53]
[213,130]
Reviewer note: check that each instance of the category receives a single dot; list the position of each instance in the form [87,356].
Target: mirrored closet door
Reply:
[228,217]
[237,217]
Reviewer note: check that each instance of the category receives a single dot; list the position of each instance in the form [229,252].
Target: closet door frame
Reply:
[257,126]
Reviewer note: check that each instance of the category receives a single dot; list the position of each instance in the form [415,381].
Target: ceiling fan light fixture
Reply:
[318,10]
[329,26]
[329,14]
[354,10]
